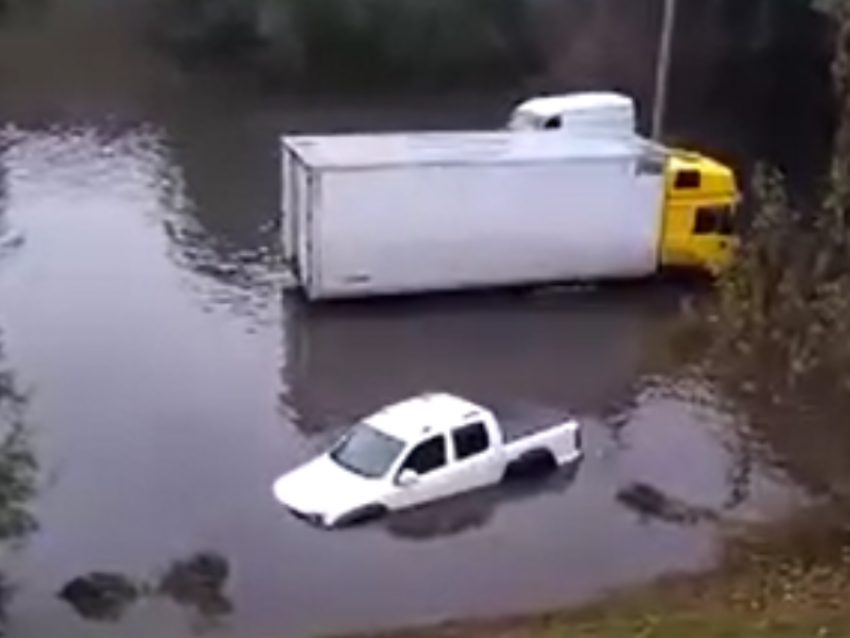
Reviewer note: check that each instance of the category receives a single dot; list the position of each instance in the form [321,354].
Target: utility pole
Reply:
[662,68]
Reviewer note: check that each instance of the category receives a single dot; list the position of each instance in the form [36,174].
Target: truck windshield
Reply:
[366,451]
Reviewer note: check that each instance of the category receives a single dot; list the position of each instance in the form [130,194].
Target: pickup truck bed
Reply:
[520,420]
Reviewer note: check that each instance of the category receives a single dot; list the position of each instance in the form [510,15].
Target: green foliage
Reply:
[21,10]
[18,473]
[424,43]
[357,42]
[17,485]
[17,463]
[774,339]
[213,26]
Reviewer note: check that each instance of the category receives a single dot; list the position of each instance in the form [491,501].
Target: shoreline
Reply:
[776,580]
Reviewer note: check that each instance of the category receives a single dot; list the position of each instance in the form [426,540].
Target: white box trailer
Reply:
[407,213]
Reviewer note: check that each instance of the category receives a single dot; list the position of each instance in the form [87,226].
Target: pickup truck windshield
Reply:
[522,121]
[367,451]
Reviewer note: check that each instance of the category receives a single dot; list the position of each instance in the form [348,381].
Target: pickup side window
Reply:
[470,440]
[426,457]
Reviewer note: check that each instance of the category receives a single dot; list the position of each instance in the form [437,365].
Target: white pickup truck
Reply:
[422,449]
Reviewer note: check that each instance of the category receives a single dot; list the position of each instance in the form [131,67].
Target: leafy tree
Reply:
[774,339]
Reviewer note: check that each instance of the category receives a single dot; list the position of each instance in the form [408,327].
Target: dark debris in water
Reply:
[100,596]
[652,503]
[197,582]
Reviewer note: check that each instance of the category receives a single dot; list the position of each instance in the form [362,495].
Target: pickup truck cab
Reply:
[422,449]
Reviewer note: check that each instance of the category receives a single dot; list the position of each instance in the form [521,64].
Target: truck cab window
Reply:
[687,179]
[713,220]
[470,440]
[552,123]
[427,456]
[726,223]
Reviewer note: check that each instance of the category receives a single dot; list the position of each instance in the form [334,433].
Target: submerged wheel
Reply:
[532,464]
[362,515]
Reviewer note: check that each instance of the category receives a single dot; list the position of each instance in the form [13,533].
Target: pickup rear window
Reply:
[470,440]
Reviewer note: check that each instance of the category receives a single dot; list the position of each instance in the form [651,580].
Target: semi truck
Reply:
[567,191]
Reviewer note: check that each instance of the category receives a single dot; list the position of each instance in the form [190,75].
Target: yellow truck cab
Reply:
[700,193]
[701,197]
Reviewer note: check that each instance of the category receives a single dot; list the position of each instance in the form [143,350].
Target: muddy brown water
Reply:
[169,381]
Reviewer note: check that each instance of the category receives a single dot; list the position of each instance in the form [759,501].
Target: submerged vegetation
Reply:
[18,461]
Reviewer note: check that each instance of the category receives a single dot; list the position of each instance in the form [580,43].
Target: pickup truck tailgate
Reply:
[532,427]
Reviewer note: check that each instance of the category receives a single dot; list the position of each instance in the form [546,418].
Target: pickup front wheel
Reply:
[362,515]
[532,464]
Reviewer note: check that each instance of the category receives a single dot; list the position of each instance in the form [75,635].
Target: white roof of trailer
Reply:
[508,147]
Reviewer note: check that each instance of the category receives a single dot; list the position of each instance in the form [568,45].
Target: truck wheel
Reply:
[532,464]
[362,515]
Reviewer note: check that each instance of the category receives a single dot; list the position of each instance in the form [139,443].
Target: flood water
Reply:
[169,381]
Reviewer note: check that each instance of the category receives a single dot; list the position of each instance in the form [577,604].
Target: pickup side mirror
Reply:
[407,477]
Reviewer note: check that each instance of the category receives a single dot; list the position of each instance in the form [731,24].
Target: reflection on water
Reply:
[220,217]
[580,350]
[172,384]
[472,511]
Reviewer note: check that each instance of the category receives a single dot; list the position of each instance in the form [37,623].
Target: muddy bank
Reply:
[773,581]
